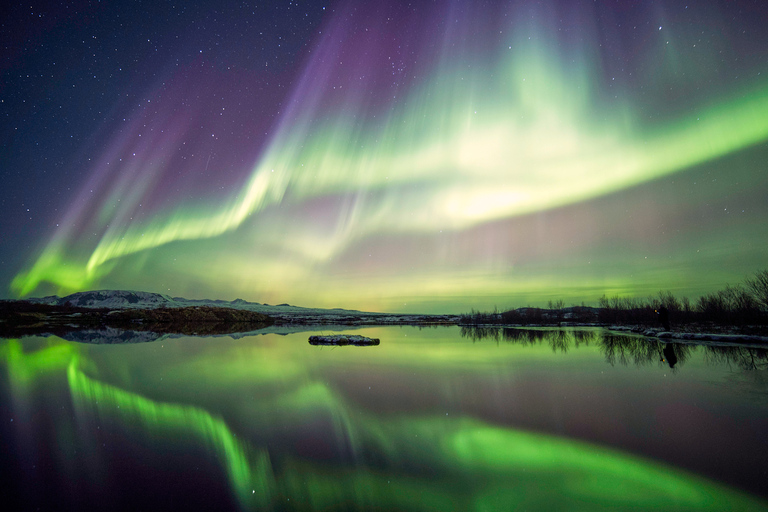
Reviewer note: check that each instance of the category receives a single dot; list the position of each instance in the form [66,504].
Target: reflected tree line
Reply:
[622,349]
[560,340]
[642,351]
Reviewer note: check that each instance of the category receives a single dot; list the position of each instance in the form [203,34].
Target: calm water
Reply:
[431,419]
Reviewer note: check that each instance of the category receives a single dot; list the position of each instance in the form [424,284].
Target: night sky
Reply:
[390,156]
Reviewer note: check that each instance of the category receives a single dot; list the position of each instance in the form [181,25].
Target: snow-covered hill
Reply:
[125,299]
[285,313]
[112,299]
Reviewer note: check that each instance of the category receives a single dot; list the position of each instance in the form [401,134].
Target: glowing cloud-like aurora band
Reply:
[525,133]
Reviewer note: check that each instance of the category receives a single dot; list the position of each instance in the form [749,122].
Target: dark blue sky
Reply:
[73,71]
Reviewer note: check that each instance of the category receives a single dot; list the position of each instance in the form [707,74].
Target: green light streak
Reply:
[53,266]
[600,475]
[245,476]
[523,134]
[25,368]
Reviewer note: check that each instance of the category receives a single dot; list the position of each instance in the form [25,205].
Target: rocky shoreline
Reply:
[698,337]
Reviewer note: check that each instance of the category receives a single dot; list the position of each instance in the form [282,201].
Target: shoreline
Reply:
[142,323]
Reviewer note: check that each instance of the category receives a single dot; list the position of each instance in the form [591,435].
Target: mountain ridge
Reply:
[132,299]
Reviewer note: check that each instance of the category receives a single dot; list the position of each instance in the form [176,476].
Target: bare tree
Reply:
[758,285]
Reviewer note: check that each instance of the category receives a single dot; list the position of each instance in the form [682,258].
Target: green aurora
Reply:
[500,176]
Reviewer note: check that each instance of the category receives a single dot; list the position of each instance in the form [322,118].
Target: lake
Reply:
[431,419]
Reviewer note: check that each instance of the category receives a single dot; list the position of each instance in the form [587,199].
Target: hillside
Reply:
[282,313]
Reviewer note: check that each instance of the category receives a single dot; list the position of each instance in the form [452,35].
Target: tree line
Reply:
[738,305]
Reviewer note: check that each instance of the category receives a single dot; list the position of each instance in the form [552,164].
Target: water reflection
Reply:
[297,436]
[669,355]
[622,348]
[642,351]
[745,358]
[560,340]
[95,399]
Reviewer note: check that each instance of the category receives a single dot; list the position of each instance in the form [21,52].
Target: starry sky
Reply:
[391,156]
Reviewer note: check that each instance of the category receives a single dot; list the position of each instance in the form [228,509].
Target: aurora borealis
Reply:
[386,156]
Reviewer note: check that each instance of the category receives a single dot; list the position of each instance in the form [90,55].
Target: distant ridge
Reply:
[283,313]
[109,299]
[130,299]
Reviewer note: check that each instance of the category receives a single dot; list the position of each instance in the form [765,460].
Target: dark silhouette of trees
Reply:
[740,305]
[732,306]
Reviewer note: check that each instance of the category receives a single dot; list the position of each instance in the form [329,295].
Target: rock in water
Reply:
[343,339]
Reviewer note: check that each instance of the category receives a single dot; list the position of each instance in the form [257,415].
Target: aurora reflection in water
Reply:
[427,420]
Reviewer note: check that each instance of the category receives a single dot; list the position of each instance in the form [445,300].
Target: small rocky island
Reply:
[344,339]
